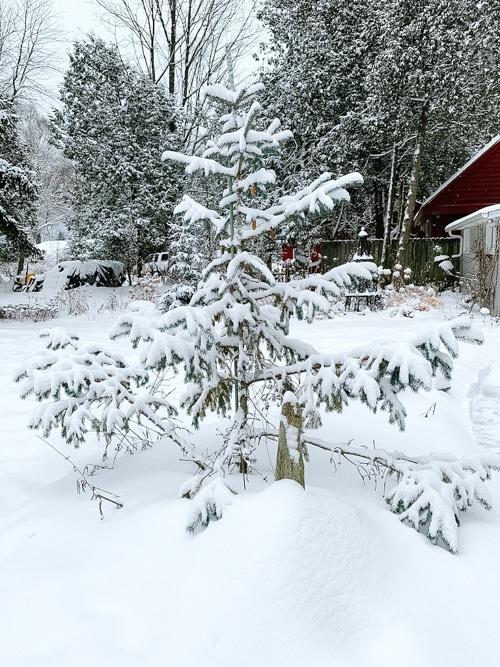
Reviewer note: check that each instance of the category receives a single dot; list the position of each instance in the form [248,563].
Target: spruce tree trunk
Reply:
[241,397]
[289,460]
[378,199]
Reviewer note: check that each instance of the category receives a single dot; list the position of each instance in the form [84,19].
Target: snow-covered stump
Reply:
[289,459]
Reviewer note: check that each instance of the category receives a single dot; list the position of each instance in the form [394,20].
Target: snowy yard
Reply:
[327,577]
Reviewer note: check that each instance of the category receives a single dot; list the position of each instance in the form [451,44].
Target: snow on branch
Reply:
[319,195]
[233,97]
[260,177]
[196,163]
[208,505]
[428,493]
[193,211]
[87,388]
[375,373]
[348,274]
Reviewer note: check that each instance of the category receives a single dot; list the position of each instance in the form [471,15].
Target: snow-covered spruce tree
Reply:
[112,123]
[18,190]
[233,345]
[186,262]
[232,339]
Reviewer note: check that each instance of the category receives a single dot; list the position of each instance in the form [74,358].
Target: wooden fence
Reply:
[419,256]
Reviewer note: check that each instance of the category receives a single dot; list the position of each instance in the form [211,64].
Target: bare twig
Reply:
[83,483]
[431,410]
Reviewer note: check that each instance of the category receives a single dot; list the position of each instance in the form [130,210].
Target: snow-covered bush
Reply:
[75,301]
[36,312]
[147,288]
[406,302]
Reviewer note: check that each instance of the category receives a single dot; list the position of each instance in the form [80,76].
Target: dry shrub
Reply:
[415,298]
[147,288]
[34,312]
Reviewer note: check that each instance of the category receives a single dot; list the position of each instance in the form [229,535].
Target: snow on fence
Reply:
[420,256]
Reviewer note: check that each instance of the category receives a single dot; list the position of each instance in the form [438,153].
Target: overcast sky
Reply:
[76,19]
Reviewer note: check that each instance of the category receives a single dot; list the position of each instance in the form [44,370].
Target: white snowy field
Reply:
[326,577]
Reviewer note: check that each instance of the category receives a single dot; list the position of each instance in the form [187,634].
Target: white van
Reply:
[157,263]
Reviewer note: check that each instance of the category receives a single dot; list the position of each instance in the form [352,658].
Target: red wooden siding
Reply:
[474,187]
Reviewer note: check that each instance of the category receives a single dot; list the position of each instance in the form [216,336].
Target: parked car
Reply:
[157,263]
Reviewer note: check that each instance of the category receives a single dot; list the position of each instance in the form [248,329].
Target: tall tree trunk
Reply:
[411,198]
[391,196]
[289,459]
[172,46]
[378,197]
[20,262]
[187,56]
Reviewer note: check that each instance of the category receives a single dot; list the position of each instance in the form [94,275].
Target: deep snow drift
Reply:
[325,577]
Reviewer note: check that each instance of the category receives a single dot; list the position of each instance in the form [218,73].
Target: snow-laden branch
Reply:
[428,493]
[196,163]
[193,211]
[233,97]
[82,388]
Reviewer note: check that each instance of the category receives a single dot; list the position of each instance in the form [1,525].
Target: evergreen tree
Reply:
[238,319]
[314,71]
[114,124]
[18,190]
[232,339]
[186,262]
[425,85]
[360,83]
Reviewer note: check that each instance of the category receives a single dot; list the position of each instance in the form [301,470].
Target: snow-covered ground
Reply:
[327,577]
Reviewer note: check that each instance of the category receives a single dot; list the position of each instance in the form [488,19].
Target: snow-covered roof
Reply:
[478,217]
[466,166]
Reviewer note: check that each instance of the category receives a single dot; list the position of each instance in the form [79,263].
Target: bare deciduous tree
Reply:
[28,34]
[54,174]
[183,42]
